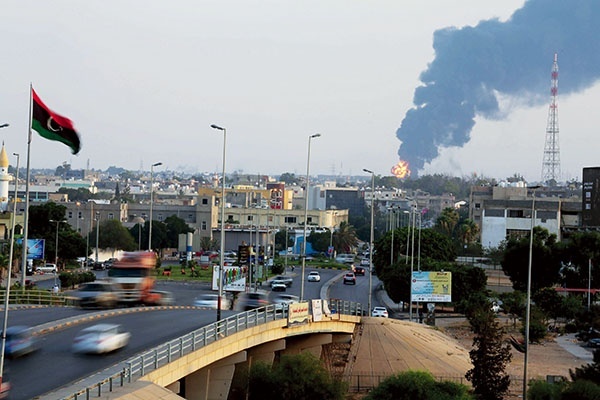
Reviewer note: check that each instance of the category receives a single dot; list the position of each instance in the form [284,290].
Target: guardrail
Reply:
[36,297]
[159,356]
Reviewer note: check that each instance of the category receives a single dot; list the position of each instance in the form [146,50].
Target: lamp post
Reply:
[221,256]
[56,247]
[97,234]
[528,307]
[316,135]
[140,222]
[10,261]
[371,239]
[151,203]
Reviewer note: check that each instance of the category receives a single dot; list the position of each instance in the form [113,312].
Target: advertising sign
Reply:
[297,314]
[590,211]
[234,278]
[434,286]
[35,248]
[317,310]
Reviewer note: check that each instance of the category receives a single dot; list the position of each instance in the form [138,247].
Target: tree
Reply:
[344,238]
[207,243]
[319,241]
[447,221]
[175,226]
[299,377]
[113,235]
[490,354]
[280,240]
[289,178]
[545,261]
[418,385]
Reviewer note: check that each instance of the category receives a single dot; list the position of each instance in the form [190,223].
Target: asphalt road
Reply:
[54,365]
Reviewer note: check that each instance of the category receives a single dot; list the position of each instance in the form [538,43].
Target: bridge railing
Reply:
[150,360]
[36,297]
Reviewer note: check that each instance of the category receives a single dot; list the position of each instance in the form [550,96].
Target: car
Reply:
[594,342]
[98,266]
[314,276]
[278,286]
[109,263]
[365,262]
[19,341]
[286,279]
[97,294]
[380,312]
[100,339]
[252,300]
[350,279]
[161,298]
[47,268]
[282,301]
[345,258]
[359,271]
[210,300]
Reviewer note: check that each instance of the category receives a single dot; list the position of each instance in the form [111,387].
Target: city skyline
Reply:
[143,85]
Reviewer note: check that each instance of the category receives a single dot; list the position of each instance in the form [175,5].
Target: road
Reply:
[54,365]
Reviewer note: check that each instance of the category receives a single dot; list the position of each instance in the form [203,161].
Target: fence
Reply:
[36,297]
[159,356]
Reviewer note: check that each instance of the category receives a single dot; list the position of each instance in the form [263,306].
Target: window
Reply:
[204,201]
[203,227]
[250,217]
[111,216]
[79,214]
[477,206]
[290,220]
[160,217]
[515,213]
[70,214]
[190,217]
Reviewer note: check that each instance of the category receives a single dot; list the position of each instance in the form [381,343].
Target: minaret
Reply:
[551,162]
[4,179]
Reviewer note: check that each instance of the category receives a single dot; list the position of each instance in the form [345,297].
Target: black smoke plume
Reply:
[474,64]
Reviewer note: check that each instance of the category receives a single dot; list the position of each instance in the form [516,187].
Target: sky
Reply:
[144,80]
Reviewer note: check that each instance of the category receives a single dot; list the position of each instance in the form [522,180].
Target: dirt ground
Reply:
[546,358]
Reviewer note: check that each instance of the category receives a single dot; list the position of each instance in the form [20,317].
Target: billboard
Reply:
[590,207]
[276,195]
[234,278]
[433,286]
[297,314]
[35,248]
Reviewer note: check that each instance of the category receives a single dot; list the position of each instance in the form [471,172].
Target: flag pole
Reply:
[26,212]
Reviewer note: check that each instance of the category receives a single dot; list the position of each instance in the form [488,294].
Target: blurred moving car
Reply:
[19,341]
[380,312]
[162,298]
[97,294]
[285,279]
[365,262]
[350,279]
[100,339]
[210,300]
[594,342]
[252,300]
[283,300]
[314,276]
[359,271]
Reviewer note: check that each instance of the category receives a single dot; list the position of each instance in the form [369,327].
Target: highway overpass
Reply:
[203,363]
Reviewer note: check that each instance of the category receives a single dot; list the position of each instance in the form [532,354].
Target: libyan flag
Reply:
[53,126]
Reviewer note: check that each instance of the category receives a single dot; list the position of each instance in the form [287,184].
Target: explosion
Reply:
[401,170]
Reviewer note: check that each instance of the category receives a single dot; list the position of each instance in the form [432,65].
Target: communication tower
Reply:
[551,162]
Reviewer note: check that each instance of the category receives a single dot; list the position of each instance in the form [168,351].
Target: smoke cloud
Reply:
[472,65]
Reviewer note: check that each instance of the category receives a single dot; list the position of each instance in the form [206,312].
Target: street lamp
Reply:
[140,222]
[56,247]
[528,307]
[97,234]
[221,256]
[10,260]
[316,135]
[371,239]
[151,203]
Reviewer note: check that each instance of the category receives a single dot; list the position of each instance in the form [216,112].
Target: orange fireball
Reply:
[401,170]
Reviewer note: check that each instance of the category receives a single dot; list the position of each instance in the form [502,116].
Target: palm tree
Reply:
[344,238]
[468,231]
[447,221]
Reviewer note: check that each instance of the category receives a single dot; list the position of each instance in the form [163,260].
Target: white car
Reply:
[314,276]
[47,268]
[210,300]
[283,300]
[380,312]
[100,339]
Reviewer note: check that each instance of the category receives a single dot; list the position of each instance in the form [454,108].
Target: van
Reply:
[47,268]
[345,258]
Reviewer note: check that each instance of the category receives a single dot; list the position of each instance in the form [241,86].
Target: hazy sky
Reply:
[144,80]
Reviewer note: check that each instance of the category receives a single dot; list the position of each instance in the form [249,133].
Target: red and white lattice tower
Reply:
[551,162]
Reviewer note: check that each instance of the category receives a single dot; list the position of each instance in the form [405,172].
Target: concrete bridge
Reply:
[203,364]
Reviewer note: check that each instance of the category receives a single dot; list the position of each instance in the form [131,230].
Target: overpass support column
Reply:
[312,343]
[214,381]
